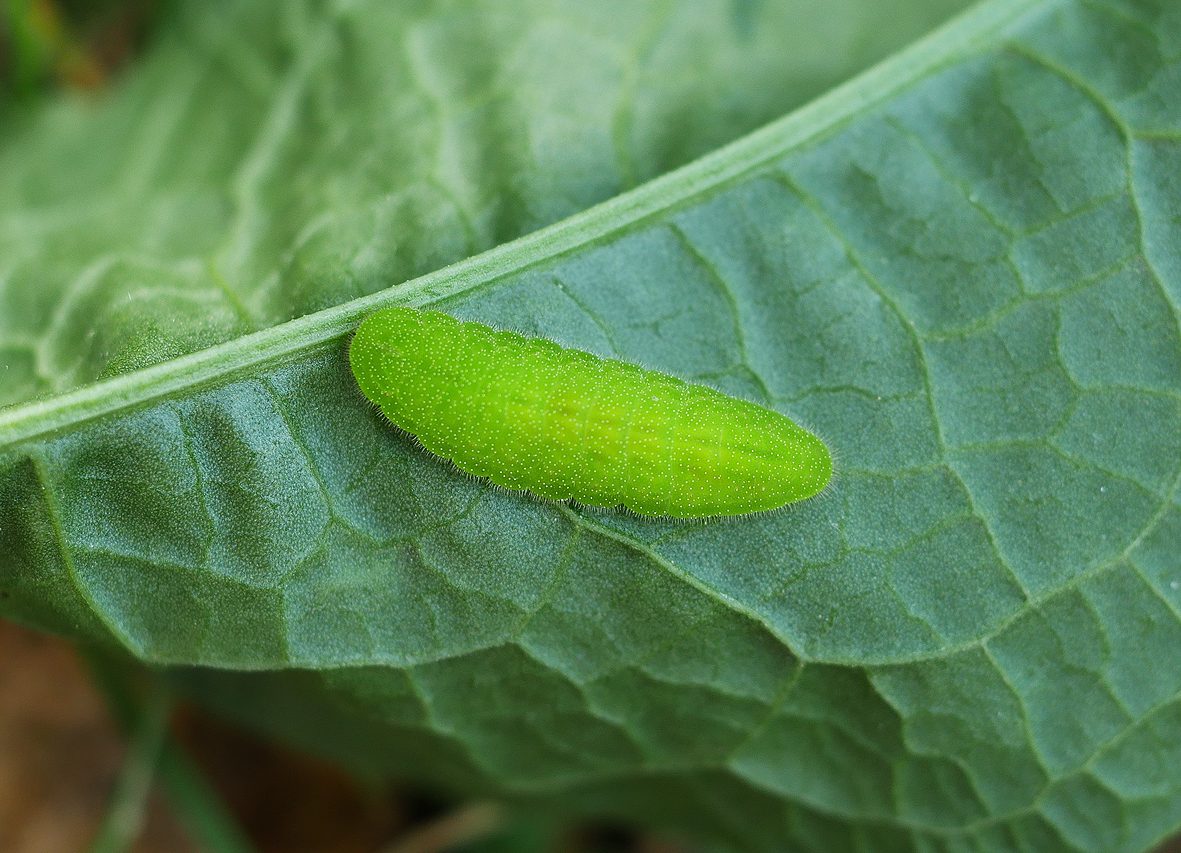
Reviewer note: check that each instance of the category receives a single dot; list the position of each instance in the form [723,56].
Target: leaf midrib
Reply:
[65,412]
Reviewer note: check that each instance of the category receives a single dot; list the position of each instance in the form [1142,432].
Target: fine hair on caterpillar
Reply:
[562,424]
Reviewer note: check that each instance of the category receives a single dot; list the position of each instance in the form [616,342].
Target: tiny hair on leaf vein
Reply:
[564,424]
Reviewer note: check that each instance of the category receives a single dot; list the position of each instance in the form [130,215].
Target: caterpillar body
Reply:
[565,424]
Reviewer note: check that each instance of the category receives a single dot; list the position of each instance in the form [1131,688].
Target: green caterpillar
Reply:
[564,424]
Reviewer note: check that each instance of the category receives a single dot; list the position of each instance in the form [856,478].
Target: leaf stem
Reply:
[195,802]
[125,815]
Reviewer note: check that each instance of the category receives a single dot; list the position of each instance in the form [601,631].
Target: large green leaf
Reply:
[963,269]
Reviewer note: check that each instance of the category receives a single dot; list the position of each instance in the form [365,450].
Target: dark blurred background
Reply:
[79,44]
[62,752]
